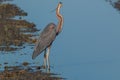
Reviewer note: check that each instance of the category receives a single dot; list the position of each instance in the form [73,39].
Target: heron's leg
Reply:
[44,64]
[47,57]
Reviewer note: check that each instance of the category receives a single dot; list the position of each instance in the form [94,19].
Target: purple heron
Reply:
[47,36]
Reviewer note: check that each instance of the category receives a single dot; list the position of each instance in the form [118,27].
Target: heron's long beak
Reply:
[56,8]
[53,10]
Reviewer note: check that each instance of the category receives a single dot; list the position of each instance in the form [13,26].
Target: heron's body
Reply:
[47,36]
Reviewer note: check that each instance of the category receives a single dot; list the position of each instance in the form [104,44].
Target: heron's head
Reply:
[60,4]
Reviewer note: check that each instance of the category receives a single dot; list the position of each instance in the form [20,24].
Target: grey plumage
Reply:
[46,38]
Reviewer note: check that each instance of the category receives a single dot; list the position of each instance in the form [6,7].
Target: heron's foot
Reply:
[49,69]
[46,67]
[43,66]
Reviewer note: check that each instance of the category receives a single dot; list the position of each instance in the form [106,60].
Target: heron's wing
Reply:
[45,39]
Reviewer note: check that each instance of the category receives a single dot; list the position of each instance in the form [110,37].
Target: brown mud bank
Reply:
[20,73]
[15,31]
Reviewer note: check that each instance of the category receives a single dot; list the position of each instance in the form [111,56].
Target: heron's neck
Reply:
[60,20]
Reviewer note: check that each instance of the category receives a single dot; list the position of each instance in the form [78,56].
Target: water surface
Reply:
[88,48]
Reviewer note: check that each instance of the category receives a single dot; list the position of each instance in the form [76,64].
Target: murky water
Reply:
[88,48]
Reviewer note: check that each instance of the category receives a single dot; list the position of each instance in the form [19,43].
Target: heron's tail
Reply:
[34,55]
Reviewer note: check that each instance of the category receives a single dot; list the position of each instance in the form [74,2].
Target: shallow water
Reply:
[88,48]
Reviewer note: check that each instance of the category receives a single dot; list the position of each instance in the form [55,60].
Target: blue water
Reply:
[88,48]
